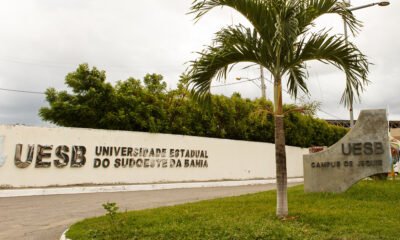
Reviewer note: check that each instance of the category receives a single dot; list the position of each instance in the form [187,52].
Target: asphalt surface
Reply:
[46,217]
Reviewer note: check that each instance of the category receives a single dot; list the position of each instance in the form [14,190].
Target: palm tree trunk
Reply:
[280,153]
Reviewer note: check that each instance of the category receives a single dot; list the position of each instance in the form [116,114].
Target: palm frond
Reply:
[232,45]
[336,51]
[296,80]
[280,41]
[260,13]
[313,9]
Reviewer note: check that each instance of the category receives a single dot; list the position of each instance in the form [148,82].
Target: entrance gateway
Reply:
[363,152]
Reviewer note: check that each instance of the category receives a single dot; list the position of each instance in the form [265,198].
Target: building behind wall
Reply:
[394,126]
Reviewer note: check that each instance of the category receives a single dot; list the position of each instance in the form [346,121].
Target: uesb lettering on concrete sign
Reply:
[62,156]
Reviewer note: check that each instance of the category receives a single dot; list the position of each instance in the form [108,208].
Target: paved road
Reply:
[46,217]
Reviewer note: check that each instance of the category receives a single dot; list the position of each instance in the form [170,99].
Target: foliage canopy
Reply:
[148,106]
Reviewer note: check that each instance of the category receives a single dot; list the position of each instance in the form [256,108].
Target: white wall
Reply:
[227,159]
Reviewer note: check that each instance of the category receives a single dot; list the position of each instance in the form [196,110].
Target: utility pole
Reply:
[381,4]
[351,100]
[263,86]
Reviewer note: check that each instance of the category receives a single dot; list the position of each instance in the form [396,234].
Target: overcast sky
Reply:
[41,41]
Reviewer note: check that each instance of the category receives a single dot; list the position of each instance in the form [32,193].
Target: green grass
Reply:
[369,210]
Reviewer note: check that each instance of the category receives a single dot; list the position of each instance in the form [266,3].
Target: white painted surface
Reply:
[227,159]
[63,237]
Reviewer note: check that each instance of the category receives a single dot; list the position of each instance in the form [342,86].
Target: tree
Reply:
[94,103]
[141,108]
[279,40]
[145,105]
[87,106]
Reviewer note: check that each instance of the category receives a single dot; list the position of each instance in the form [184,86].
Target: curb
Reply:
[63,237]
[129,188]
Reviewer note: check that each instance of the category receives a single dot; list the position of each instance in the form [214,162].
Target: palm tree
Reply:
[279,40]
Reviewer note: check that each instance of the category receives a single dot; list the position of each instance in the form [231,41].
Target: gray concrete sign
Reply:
[363,152]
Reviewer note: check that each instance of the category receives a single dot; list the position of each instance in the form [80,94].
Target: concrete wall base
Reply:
[126,188]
